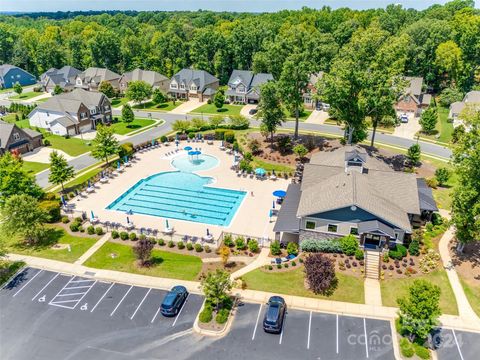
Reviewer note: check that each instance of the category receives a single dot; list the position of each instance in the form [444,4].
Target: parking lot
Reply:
[47,315]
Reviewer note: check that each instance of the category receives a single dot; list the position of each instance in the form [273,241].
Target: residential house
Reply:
[244,86]
[309,100]
[64,77]
[189,83]
[152,78]
[72,113]
[10,75]
[91,78]
[13,138]
[350,192]
[413,100]
[472,97]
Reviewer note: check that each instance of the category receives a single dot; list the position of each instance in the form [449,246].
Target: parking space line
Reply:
[62,306]
[78,287]
[64,301]
[366,338]
[337,333]
[309,327]
[68,282]
[22,269]
[283,329]
[56,275]
[141,302]
[458,346]
[79,281]
[124,296]
[98,302]
[178,315]
[256,323]
[28,282]
[85,294]
[154,316]
[60,295]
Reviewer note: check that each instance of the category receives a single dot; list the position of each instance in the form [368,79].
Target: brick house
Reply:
[413,100]
[189,83]
[13,138]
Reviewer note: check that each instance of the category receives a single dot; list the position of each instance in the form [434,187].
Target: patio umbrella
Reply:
[128,220]
[153,141]
[88,182]
[208,233]
[92,216]
[125,159]
[260,171]
[279,193]
[273,204]
[118,164]
[62,199]
[187,148]
[166,224]
[191,153]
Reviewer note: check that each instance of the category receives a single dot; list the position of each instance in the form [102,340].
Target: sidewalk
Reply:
[373,293]
[261,260]
[93,249]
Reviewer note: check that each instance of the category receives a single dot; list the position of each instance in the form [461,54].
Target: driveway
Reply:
[187,106]
[246,109]
[42,155]
[317,117]
[409,129]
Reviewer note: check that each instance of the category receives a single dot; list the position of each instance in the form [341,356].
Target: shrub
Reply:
[279,266]
[229,137]
[359,254]
[161,242]
[414,248]
[124,235]
[292,248]
[227,240]
[253,245]
[240,243]
[46,142]
[74,226]
[65,219]
[163,139]
[99,230]
[132,236]
[320,274]
[437,219]
[442,175]
[81,229]
[189,246]
[406,348]
[294,263]
[220,134]
[52,209]
[207,314]
[432,182]
[398,252]
[198,248]
[90,230]
[181,245]
[115,234]
[143,250]
[349,244]
[171,244]
[207,249]
[142,237]
[270,267]
[285,265]
[275,248]
[430,261]
[327,246]
[421,352]
[222,316]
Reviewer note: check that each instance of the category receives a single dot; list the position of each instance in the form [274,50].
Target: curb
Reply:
[213,333]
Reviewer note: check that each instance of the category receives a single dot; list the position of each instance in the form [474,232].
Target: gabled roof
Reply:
[260,79]
[6,68]
[150,77]
[414,86]
[243,76]
[66,121]
[457,107]
[287,219]
[356,153]
[60,76]
[98,75]
[425,195]
[472,97]
[6,130]
[375,226]
[200,78]
[70,102]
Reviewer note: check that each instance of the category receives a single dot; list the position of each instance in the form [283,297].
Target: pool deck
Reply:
[252,217]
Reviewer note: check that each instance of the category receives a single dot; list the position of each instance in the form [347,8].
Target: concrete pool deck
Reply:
[252,217]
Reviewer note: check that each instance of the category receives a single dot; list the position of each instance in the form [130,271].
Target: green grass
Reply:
[165,264]
[70,186]
[34,167]
[123,128]
[26,95]
[10,118]
[303,115]
[257,162]
[42,100]
[151,106]
[444,129]
[227,109]
[72,146]
[8,269]
[56,235]
[392,289]
[117,102]
[350,289]
[473,295]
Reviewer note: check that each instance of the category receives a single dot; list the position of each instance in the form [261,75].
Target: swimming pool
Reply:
[181,195]
[195,163]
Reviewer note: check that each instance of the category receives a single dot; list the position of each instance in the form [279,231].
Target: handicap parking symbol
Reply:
[84,307]
[42,299]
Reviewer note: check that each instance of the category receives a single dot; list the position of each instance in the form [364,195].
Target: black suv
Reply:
[273,320]
[173,301]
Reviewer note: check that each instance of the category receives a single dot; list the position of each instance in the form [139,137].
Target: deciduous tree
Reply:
[428,119]
[127,114]
[320,274]
[270,110]
[143,251]
[18,88]
[138,91]
[216,287]
[107,89]
[104,144]
[60,171]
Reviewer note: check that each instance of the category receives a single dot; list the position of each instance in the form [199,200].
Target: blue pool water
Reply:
[181,195]
[195,163]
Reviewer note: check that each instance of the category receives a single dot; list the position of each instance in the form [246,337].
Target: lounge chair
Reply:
[185,238]
[168,231]
[194,239]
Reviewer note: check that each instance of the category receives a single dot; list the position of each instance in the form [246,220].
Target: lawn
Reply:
[72,146]
[257,162]
[151,106]
[117,102]
[350,289]
[56,235]
[34,167]
[123,128]
[443,127]
[395,288]
[10,118]
[26,95]
[165,264]
[473,295]
[70,186]
[227,109]
[303,115]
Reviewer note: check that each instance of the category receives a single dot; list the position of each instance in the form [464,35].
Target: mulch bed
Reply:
[467,264]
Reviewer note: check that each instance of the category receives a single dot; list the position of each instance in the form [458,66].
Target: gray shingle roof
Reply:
[287,219]
[375,226]
[425,196]
[5,132]
[70,102]
[457,107]
[200,78]
[66,121]
[414,85]
[150,77]
[61,76]
[98,75]
[243,76]
[472,97]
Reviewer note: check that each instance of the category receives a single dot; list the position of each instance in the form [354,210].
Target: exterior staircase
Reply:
[372,264]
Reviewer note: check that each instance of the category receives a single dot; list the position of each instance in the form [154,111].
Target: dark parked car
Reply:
[273,320]
[173,301]
[253,111]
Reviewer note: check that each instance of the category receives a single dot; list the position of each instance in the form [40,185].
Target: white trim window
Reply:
[332,228]
[182,86]
[193,87]
[93,111]
[173,85]
[310,225]
[354,230]
[16,136]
